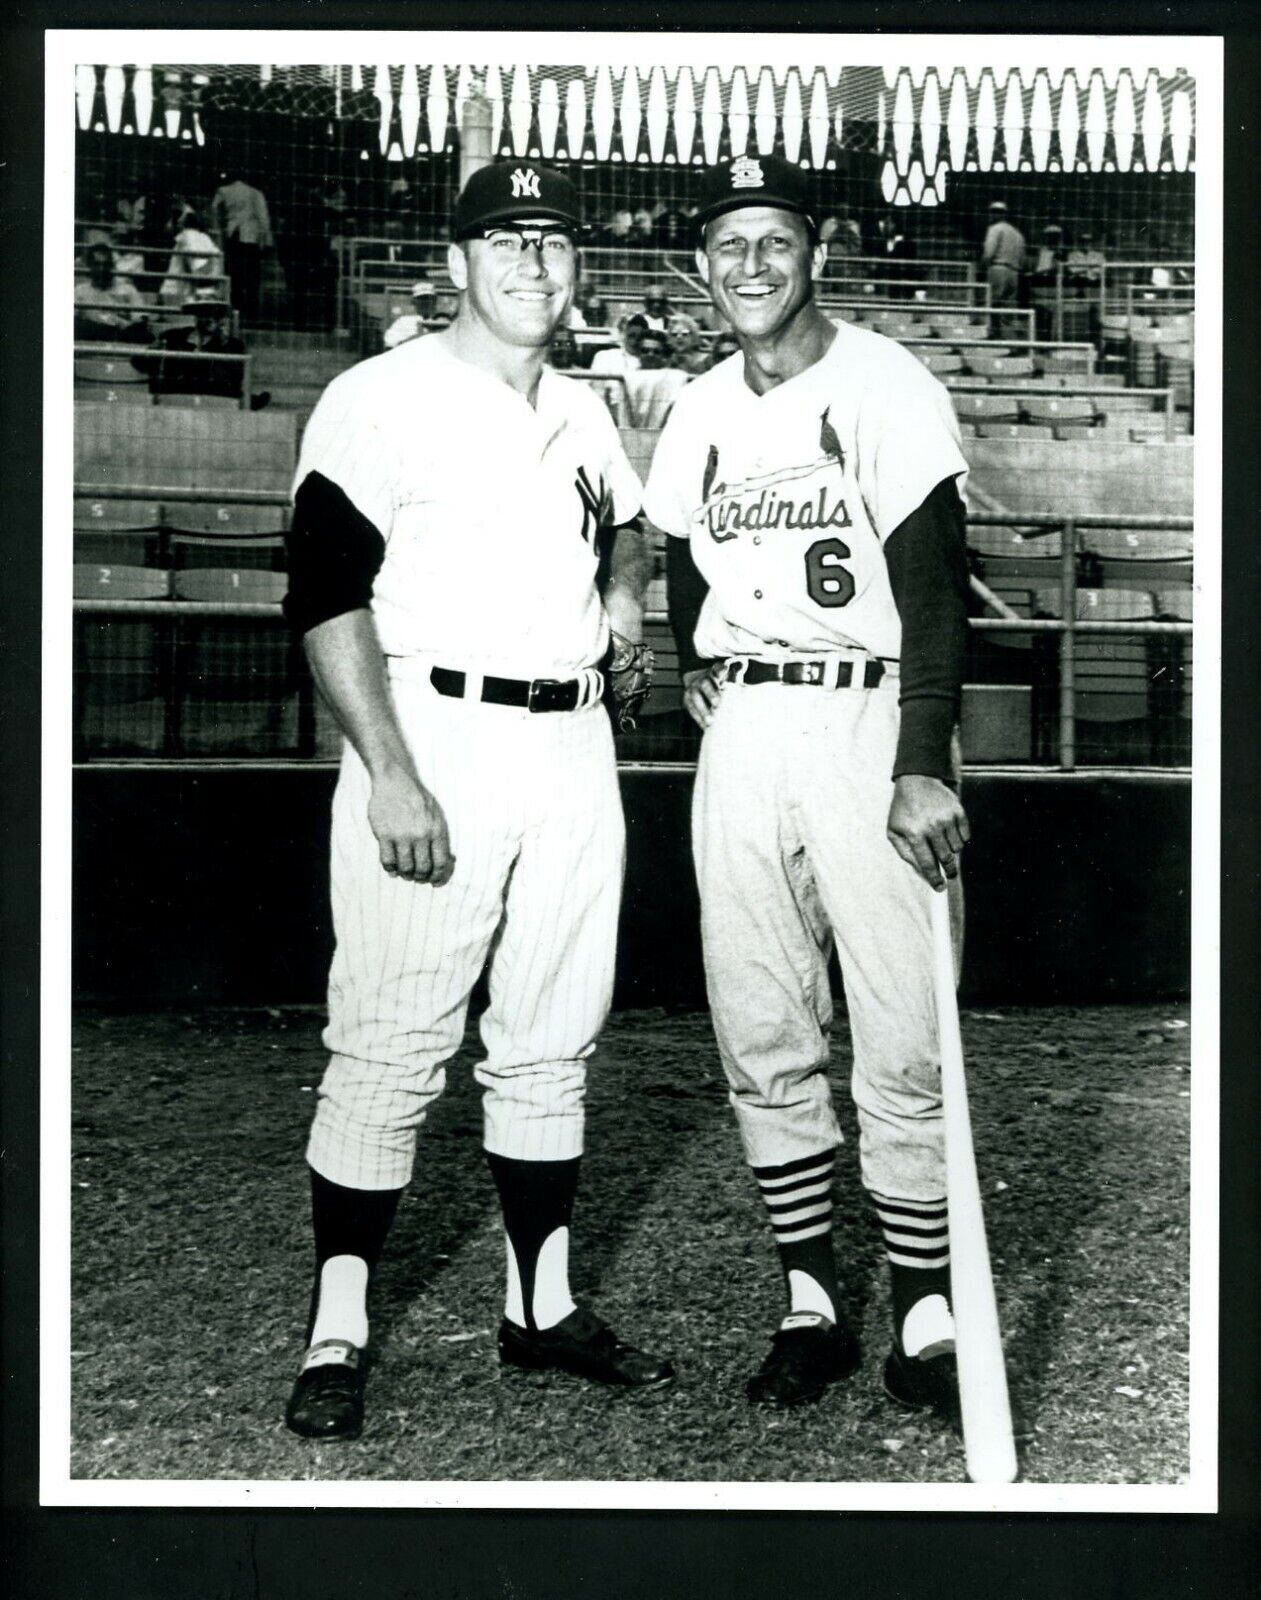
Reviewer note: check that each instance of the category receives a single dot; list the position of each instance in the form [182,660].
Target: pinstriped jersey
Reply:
[488,507]
[788,497]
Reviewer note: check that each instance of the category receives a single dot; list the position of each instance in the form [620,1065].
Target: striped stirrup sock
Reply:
[917,1240]
[798,1200]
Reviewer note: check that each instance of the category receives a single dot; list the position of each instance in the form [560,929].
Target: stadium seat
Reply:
[1014,540]
[1008,430]
[986,408]
[994,366]
[226,551]
[1139,544]
[1064,361]
[1072,431]
[119,684]
[185,448]
[1048,409]
[940,361]
[1178,604]
[1100,605]
[93,581]
[226,585]
[242,689]
[199,402]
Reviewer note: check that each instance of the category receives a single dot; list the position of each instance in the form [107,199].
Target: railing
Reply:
[156,359]
[1163,398]
[1070,566]
[1068,626]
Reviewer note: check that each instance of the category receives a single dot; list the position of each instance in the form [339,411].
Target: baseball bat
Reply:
[988,1444]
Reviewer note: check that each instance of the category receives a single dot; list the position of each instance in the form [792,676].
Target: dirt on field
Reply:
[191,1264]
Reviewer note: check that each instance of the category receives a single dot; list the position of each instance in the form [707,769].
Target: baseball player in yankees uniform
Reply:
[452,501]
[817,581]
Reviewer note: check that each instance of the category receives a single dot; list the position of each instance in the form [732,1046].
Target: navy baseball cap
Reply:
[509,191]
[753,181]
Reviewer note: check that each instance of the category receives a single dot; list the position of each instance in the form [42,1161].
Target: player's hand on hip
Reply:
[410,830]
[928,827]
[701,692]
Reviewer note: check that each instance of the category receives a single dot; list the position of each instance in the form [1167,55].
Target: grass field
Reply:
[191,1263]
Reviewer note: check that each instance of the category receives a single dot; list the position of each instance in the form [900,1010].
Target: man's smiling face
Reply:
[519,279]
[760,265]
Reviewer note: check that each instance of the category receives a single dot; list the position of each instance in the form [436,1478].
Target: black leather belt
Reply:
[810,672]
[536,694]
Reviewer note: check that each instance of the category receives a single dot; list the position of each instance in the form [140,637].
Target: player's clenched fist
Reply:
[701,690]
[928,827]
[410,830]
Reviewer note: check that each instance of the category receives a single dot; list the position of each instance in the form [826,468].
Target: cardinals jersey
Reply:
[487,507]
[788,497]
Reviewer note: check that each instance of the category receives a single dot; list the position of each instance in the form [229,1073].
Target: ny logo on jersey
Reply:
[525,184]
[593,504]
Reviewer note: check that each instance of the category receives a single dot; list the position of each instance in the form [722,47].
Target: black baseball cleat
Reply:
[923,1385]
[327,1399]
[585,1345]
[803,1359]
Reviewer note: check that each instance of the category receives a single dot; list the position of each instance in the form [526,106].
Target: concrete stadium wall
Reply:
[208,886]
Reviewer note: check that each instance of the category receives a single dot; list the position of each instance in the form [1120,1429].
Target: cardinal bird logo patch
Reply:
[711,469]
[828,442]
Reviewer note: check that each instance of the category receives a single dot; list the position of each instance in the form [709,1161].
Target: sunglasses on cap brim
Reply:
[528,232]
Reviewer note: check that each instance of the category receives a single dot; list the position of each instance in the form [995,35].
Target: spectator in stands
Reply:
[841,234]
[687,348]
[1044,280]
[107,305]
[194,254]
[673,230]
[563,354]
[240,217]
[898,251]
[656,312]
[654,387]
[617,229]
[620,362]
[624,357]
[1002,261]
[726,344]
[1083,267]
[132,213]
[415,321]
[643,225]
[1083,277]
[210,333]
[595,312]
[128,256]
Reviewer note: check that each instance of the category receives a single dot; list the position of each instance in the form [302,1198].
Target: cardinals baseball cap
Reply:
[509,191]
[753,181]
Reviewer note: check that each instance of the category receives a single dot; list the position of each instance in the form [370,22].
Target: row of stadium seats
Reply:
[987,361]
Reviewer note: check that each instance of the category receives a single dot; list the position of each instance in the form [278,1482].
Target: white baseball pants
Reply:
[535,818]
[789,816]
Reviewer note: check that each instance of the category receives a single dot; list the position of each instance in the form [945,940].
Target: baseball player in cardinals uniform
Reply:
[453,501]
[817,582]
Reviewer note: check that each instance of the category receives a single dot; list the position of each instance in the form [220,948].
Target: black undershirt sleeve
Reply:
[334,552]
[928,573]
[685,595]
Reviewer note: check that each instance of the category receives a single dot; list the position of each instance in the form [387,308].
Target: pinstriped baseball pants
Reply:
[535,818]
[789,815]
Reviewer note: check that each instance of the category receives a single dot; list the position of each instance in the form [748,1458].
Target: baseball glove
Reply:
[629,678]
